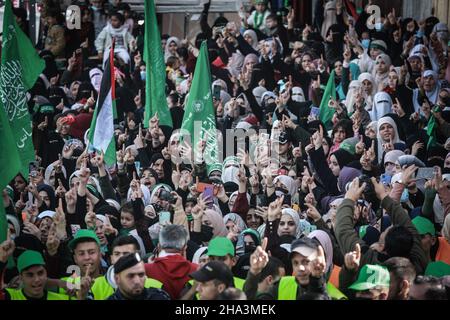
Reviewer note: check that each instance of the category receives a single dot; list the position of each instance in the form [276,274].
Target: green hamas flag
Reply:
[199,115]
[326,113]
[431,131]
[155,81]
[20,68]
[9,165]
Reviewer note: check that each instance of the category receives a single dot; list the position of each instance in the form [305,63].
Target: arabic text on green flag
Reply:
[199,115]
[20,67]
[155,81]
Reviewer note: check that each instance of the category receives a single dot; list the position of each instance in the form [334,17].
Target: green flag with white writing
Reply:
[20,68]
[199,115]
[155,80]
[326,113]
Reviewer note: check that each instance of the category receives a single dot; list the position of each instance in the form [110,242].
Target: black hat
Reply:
[214,270]
[126,262]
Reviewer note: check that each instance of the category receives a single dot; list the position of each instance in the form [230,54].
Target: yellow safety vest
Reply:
[74,281]
[239,283]
[101,289]
[16,294]
[287,290]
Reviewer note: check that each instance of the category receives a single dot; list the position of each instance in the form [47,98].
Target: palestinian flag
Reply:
[101,132]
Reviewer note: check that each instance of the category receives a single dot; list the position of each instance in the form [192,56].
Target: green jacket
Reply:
[347,236]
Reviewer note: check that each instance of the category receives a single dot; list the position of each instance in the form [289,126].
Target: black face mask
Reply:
[207,233]
[249,249]
[242,110]
[281,190]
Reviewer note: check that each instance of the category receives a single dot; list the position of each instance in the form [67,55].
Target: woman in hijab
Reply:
[251,38]
[172,44]
[330,18]
[325,241]
[289,224]
[235,64]
[232,219]
[387,134]
[368,88]
[354,89]
[213,219]
[382,105]
[431,86]
[285,185]
[201,256]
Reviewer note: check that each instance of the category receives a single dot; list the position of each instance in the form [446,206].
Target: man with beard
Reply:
[402,274]
[129,274]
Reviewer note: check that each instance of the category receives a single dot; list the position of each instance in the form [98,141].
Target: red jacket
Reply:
[173,271]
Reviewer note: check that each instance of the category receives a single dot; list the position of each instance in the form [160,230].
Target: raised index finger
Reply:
[264,243]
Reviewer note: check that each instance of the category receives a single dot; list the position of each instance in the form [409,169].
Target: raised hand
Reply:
[352,259]
[233,234]
[355,191]
[262,212]
[274,211]
[259,258]
[44,124]
[379,189]
[312,212]
[85,284]
[6,250]
[318,265]
[53,242]
[59,220]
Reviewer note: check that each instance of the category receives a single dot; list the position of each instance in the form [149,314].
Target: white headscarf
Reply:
[396,138]
[288,182]
[48,173]
[294,215]
[382,105]
[354,86]
[367,76]
[252,35]
[330,17]
[167,53]
[298,95]
[198,254]
[433,95]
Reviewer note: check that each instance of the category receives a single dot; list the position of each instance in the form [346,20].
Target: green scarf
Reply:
[258,19]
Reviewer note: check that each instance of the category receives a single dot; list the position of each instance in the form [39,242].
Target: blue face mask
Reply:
[405,196]
[365,43]
[379,26]
[143,75]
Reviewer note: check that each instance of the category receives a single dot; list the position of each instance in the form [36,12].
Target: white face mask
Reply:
[298,95]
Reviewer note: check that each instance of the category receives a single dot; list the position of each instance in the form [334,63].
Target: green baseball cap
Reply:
[424,226]
[29,258]
[220,247]
[371,276]
[83,234]
[438,269]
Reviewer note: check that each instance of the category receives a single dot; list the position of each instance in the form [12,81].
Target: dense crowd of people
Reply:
[341,192]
